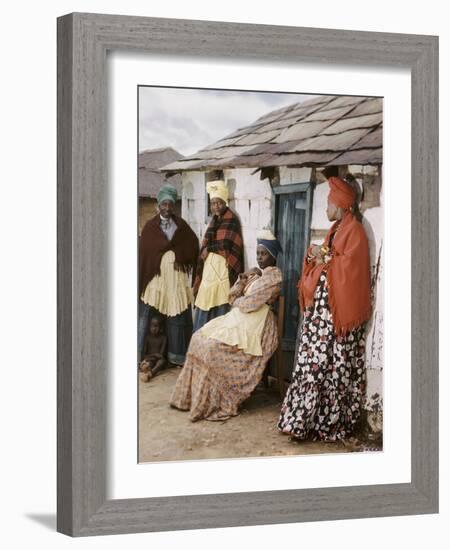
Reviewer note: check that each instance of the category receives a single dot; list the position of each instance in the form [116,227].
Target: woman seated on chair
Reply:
[227,356]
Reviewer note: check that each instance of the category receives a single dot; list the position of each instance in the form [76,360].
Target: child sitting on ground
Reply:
[154,350]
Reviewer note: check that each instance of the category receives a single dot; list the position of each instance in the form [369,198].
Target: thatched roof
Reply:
[325,130]
[150,177]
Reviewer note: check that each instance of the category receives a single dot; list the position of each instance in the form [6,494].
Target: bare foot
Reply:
[144,366]
[146,376]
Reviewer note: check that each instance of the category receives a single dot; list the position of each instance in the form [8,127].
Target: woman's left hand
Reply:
[316,250]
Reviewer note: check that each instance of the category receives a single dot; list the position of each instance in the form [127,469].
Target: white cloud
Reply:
[190,119]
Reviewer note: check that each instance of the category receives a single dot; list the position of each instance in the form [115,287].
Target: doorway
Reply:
[292,226]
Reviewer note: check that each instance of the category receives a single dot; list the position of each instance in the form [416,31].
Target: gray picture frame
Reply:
[83,212]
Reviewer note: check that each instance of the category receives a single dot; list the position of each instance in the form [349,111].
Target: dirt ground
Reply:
[168,434]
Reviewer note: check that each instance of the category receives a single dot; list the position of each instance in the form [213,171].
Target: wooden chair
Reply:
[278,355]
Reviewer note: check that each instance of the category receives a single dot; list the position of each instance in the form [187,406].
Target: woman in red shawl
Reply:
[325,397]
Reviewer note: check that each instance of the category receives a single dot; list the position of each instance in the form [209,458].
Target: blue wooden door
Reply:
[292,220]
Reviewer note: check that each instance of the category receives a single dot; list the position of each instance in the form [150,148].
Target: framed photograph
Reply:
[265,174]
[247,274]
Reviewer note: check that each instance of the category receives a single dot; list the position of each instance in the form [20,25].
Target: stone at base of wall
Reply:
[369,428]
[375,422]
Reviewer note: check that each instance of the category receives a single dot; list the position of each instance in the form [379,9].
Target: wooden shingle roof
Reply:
[324,130]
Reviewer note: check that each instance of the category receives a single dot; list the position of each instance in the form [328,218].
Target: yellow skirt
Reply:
[170,292]
[215,286]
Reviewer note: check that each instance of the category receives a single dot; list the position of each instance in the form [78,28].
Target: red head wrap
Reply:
[341,194]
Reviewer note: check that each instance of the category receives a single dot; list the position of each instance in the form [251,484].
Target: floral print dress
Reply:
[325,397]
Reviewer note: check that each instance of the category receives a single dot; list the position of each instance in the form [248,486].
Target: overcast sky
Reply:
[190,119]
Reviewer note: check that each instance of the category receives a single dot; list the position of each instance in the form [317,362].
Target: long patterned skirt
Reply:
[326,395]
[216,378]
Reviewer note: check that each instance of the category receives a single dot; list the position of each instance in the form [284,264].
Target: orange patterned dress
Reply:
[217,377]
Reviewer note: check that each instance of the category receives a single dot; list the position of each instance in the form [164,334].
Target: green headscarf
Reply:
[167,193]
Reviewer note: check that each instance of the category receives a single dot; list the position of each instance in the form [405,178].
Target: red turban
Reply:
[341,194]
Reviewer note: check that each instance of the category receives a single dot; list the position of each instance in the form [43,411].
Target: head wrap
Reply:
[217,190]
[167,193]
[268,240]
[341,194]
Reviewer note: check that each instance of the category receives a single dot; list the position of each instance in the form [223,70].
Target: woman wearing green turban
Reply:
[168,250]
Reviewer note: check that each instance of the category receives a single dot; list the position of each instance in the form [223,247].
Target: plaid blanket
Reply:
[224,237]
